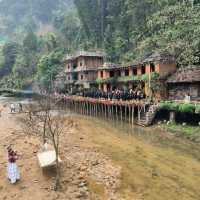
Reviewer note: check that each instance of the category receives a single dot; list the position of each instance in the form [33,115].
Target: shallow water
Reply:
[155,165]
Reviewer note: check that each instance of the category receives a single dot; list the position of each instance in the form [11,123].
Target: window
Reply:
[152,67]
[68,66]
[75,77]
[112,74]
[81,77]
[81,64]
[126,72]
[101,74]
[74,66]
[135,71]
[118,73]
[69,78]
[143,69]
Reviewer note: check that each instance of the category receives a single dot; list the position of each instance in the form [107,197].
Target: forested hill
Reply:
[40,32]
[132,28]
[19,16]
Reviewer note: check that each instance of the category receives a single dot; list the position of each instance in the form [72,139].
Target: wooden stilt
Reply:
[125,118]
[132,114]
[129,114]
[116,112]
[121,113]
[112,113]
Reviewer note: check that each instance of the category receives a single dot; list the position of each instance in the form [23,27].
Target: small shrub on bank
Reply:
[187,108]
[169,106]
[197,109]
[180,107]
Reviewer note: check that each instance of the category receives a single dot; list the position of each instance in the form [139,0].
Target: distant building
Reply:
[186,81]
[131,76]
[81,69]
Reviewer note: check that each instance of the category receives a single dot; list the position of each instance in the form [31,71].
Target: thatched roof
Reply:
[185,75]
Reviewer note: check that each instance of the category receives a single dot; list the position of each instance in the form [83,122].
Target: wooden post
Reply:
[125,112]
[139,114]
[121,113]
[133,114]
[97,112]
[116,111]
[87,104]
[129,114]
[112,113]
[172,116]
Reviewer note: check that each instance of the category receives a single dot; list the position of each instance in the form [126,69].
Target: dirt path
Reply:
[86,173]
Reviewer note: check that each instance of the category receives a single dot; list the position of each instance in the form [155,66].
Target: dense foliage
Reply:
[130,29]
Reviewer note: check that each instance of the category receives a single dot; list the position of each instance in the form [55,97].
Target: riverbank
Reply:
[86,172]
[182,130]
[103,160]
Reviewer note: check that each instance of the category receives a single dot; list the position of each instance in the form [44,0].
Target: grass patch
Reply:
[187,130]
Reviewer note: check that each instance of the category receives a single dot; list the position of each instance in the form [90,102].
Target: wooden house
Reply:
[186,81]
[138,74]
[81,69]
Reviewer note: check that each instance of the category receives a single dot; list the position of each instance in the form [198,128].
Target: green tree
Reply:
[30,42]
[175,29]
[48,67]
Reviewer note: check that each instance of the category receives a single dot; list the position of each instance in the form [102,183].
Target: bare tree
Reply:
[41,120]
[55,126]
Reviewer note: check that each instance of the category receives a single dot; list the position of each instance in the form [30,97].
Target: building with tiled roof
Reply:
[186,81]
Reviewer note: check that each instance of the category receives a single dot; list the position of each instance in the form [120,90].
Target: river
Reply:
[156,165]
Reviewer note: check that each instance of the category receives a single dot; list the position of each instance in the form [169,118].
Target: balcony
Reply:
[124,79]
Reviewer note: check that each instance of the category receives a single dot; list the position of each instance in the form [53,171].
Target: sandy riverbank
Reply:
[86,173]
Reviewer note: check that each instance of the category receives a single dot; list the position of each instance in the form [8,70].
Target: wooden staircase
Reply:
[147,117]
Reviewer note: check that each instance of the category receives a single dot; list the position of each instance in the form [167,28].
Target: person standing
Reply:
[20,107]
[12,169]
[12,108]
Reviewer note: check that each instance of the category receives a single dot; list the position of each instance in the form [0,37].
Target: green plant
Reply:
[197,109]
[188,108]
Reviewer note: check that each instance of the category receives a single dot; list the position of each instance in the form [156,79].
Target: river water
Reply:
[156,165]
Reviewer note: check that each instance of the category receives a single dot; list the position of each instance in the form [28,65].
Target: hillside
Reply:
[17,17]
[42,31]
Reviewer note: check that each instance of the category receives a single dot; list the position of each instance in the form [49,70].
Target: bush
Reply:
[197,109]
[188,108]
[165,105]
[174,106]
